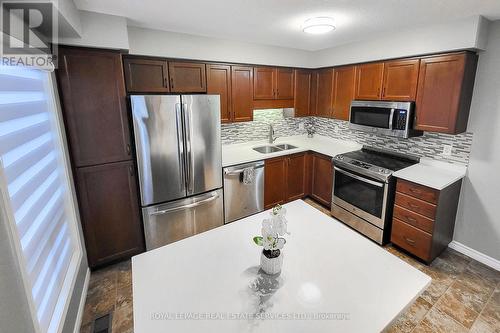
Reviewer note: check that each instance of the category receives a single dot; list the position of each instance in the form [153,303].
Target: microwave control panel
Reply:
[400,119]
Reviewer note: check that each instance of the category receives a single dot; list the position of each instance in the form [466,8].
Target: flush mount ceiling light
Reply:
[318,25]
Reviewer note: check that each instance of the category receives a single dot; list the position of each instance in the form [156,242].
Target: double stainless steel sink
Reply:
[274,148]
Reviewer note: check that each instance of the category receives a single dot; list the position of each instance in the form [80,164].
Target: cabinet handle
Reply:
[128,149]
[413,205]
[165,82]
[277,92]
[411,219]
[131,171]
[410,241]
[171,83]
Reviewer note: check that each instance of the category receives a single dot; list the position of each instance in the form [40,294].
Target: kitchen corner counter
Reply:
[433,174]
[239,153]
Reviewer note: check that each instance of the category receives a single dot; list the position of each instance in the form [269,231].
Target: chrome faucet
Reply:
[272,138]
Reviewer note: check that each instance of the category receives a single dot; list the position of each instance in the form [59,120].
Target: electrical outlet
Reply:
[301,126]
[447,150]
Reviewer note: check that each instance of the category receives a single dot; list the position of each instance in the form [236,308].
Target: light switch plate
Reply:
[301,126]
[447,150]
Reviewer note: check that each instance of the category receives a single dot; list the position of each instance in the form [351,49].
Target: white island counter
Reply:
[333,280]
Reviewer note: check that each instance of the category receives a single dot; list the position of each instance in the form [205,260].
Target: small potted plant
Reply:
[271,259]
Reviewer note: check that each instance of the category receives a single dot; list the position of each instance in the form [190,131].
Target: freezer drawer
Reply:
[173,221]
[240,199]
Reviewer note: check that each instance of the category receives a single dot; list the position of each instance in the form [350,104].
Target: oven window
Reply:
[360,194]
[370,116]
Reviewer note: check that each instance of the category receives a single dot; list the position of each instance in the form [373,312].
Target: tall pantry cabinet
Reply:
[92,92]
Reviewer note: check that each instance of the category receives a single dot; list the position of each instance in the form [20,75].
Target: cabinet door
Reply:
[302,101]
[444,92]
[284,84]
[313,110]
[369,81]
[324,99]
[187,77]
[144,75]
[242,93]
[274,182]
[110,212]
[322,178]
[94,105]
[400,80]
[296,176]
[264,82]
[343,92]
[219,82]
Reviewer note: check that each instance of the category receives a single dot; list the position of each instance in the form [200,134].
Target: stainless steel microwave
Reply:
[386,118]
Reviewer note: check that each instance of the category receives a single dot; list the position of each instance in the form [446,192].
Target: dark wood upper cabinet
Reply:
[369,81]
[272,83]
[242,93]
[145,75]
[187,77]
[324,93]
[274,182]
[322,178]
[313,110]
[302,102]
[343,91]
[400,80]
[444,92]
[284,83]
[110,212]
[264,82]
[296,176]
[94,105]
[219,82]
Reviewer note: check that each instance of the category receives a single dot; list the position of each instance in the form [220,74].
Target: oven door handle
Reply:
[369,181]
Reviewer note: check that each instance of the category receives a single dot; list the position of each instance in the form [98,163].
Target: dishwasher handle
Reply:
[238,171]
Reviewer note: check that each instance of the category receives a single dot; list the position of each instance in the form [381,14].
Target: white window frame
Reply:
[71,207]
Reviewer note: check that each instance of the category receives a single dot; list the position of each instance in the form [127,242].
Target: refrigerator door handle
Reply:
[189,151]
[215,196]
[178,121]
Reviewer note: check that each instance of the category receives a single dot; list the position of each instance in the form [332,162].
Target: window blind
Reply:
[32,166]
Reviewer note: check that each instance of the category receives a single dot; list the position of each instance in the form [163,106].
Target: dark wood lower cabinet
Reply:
[274,182]
[110,212]
[424,218]
[321,178]
[285,179]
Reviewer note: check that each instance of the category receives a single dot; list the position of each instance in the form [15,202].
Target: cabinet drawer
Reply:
[413,218]
[418,191]
[411,239]
[416,205]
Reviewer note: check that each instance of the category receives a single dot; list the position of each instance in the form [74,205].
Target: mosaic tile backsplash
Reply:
[429,145]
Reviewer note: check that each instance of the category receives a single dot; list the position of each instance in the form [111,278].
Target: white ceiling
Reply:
[277,22]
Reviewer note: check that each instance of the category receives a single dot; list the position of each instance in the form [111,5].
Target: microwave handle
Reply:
[391,118]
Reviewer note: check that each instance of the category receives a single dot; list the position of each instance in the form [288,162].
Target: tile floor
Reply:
[464,296]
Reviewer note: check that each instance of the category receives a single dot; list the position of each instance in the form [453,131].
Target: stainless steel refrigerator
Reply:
[178,146]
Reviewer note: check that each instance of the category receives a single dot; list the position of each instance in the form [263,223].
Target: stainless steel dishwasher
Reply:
[243,190]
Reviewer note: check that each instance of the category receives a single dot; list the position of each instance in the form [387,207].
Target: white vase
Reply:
[271,265]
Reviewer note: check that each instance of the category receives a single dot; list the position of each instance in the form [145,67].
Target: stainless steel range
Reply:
[364,189]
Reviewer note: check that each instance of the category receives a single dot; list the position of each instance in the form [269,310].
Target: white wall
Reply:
[177,45]
[100,30]
[458,35]
[478,220]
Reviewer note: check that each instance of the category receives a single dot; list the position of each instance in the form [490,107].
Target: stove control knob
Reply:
[382,170]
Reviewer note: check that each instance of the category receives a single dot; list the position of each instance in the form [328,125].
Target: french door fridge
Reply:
[178,148]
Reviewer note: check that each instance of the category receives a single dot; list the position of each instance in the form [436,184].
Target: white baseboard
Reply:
[476,255]
[81,307]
